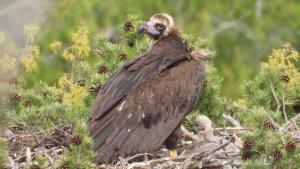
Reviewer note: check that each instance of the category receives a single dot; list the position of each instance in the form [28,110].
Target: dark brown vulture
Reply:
[143,103]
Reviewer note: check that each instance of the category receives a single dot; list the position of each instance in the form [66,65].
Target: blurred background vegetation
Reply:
[242,32]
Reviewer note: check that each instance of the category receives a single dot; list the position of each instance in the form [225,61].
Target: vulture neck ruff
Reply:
[171,33]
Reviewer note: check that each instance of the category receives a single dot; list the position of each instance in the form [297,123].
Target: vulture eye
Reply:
[160,26]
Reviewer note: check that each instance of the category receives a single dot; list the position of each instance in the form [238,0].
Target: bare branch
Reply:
[283,107]
[189,134]
[275,97]
[231,120]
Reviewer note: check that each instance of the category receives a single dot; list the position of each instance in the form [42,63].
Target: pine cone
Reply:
[278,154]
[128,26]
[15,129]
[268,124]
[290,146]
[248,144]
[28,103]
[122,57]
[103,69]
[34,166]
[205,83]
[94,89]
[191,49]
[76,140]
[130,44]
[81,82]
[285,78]
[15,97]
[13,81]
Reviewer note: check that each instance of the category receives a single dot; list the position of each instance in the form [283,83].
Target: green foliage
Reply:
[257,26]
[3,153]
[42,106]
[268,98]
[78,156]
[254,164]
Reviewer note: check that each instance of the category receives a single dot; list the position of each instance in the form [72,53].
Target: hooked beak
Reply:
[149,28]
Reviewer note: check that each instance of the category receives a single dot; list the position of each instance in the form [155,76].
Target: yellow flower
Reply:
[56,91]
[28,60]
[72,94]
[33,51]
[30,32]
[55,46]
[283,60]
[63,81]
[81,42]
[75,97]
[68,55]
[2,38]
[29,63]
[80,50]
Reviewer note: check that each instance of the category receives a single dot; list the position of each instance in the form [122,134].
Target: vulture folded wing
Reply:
[129,76]
[143,118]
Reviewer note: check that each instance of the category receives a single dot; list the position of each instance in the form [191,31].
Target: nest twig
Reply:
[24,147]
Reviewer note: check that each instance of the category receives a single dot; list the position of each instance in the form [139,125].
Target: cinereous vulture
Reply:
[143,103]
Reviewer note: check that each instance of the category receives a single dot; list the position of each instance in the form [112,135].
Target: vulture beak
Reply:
[149,28]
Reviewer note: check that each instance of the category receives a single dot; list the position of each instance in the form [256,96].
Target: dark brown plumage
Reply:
[145,100]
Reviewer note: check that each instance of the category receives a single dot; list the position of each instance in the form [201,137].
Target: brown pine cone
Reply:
[205,83]
[28,103]
[15,129]
[130,44]
[290,146]
[102,69]
[122,57]
[248,144]
[15,97]
[268,124]
[191,49]
[94,89]
[285,78]
[128,26]
[81,82]
[13,81]
[278,154]
[76,140]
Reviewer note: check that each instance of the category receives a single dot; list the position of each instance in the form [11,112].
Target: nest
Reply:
[196,151]
[25,146]
[211,148]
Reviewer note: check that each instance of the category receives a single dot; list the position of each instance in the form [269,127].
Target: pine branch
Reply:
[275,97]
[283,108]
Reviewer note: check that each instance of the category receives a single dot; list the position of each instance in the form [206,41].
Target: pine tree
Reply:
[269,99]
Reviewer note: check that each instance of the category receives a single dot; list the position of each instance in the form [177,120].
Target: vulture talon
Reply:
[172,153]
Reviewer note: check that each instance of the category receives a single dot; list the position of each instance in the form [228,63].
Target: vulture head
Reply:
[158,26]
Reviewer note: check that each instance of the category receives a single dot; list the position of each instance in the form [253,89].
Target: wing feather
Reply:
[145,100]
[150,112]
